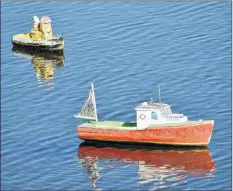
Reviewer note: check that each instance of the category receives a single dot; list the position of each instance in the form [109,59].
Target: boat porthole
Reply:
[142,116]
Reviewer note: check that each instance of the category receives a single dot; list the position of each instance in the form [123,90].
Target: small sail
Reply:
[89,111]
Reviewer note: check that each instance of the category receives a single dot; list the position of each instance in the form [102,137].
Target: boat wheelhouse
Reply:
[157,113]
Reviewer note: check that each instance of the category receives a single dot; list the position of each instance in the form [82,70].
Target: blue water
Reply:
[127,49]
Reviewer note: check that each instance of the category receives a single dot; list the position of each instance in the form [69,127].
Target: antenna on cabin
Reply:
[159,95]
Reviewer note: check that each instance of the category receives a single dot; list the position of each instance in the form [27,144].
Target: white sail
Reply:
[89,111]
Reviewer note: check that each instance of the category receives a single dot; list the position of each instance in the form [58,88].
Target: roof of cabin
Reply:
[45,19]
[147,105]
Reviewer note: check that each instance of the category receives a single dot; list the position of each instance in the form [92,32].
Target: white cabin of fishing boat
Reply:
[149,113]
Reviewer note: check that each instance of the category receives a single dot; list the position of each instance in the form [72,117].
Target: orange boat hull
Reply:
[189,134]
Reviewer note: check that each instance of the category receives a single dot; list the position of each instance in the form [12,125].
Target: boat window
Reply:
[163,112]
[166,111]
[170,111]
[153,116]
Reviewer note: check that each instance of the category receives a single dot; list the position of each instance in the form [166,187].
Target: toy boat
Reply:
[156,124]
[40,37]
[155,163]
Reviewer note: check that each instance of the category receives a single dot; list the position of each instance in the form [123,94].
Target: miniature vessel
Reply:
[155,124]
[40,37]
[155,163]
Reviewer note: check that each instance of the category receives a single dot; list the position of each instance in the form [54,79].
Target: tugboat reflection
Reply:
[162,166]
[44,64]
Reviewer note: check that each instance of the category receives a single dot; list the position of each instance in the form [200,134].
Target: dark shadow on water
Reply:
[160,166]
[44,64]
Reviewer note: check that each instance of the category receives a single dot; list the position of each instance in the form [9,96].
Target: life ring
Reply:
[142,116]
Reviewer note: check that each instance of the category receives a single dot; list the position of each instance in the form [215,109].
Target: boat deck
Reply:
[130,125]
[22,36]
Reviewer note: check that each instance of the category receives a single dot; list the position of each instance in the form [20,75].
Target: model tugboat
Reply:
[41,37]
[155,124]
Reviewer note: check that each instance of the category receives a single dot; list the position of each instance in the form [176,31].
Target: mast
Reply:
[159,95]
[94,103]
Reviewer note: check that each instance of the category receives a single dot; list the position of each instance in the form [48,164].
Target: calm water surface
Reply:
[127,49]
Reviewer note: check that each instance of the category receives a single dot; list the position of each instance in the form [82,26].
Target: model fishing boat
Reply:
[40,37]
[155,124]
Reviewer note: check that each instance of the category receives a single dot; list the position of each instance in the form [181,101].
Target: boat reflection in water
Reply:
[44,64]
[162,166]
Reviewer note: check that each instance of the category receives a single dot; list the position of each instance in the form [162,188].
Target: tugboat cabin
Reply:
[156,113]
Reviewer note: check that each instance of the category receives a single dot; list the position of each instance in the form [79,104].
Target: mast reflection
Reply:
[162,166]
[44,64]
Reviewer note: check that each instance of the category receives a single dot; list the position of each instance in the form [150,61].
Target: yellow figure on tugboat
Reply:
[46,28]
[35,33]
